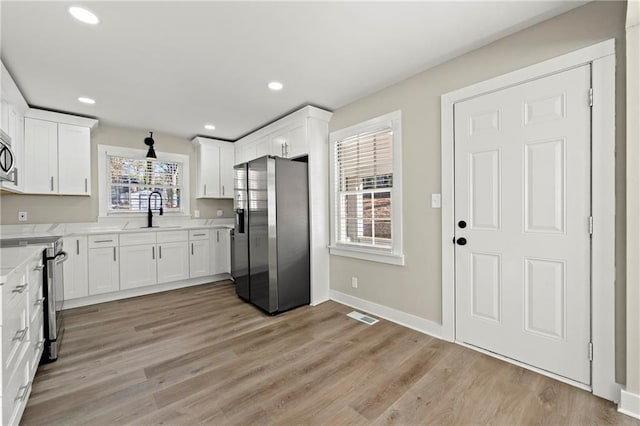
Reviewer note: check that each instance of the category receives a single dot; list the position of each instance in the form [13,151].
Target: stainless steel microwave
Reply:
[7,159]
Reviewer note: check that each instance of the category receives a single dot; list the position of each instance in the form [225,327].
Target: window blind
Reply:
[364,171]
[131,180]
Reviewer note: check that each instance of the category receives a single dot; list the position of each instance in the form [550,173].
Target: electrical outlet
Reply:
[22,216]
[219,213]
[354,282]
[196,213]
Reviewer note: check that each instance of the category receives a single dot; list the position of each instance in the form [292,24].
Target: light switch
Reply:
[436,201]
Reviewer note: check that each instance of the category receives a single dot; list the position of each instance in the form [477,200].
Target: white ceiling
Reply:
[174,66]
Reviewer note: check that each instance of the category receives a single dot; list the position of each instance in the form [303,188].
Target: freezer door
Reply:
[240,238]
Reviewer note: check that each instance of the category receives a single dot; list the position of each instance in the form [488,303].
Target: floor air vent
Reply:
[362,317]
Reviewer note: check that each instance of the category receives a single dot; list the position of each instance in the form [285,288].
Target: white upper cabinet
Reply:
[287,138]
[41,155]
[57,153]
[74,160]
[214,175]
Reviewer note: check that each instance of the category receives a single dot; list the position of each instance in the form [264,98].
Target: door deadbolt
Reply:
[462,224]
[462,241]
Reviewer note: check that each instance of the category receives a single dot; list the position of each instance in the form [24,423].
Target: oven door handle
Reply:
[60,257]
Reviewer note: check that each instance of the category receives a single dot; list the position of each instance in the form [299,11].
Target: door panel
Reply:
[522,181]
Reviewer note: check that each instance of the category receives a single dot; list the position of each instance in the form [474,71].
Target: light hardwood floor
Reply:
[201,355]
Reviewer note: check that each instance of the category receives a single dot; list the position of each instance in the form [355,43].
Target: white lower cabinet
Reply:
[76,273]
[103,264]
[21,328]
[173,261]
[137,266]
[200,253]
[220,251]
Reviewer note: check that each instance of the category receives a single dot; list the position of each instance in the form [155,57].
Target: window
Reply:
[366,183]
[126,178]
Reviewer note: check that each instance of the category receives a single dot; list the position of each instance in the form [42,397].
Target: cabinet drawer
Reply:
[172,236]
[36,302]
[137,238]
[15,286]
[36,341]
[198,234]
[15,331]
[103,240]
[14,397]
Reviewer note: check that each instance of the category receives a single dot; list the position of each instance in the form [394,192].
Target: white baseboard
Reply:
[422,325]
[141,291]
[629,404]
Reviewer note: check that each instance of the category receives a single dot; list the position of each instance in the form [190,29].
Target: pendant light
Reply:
[151,154]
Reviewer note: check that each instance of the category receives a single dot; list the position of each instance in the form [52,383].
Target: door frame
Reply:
[601,56]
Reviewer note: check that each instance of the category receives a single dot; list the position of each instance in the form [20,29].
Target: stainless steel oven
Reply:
[52,289]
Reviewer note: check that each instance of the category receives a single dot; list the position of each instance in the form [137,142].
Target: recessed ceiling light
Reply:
[275,85]
[83,15]
[86,100]
[209,127]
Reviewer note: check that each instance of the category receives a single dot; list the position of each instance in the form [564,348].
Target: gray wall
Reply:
[416,287]
[59,209]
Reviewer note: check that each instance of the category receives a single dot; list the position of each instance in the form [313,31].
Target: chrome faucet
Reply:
[149,212]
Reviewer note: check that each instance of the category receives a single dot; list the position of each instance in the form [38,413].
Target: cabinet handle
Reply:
[191,249]
[217,236]
[205,189]
[286,149]
[199,235]
[153,252]
[52,183]
[86,185]
[20,334]
[282,150]
[39,268]
[222,189]
[39,301]
[78,247]
[114,254]
[20,288]
[103,241]
[23,391]
[160,251]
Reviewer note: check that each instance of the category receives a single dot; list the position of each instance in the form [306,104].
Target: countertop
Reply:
[70,229]
[13,258]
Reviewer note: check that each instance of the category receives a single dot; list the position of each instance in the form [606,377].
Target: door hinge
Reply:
[590,351]
[591,96]
[590,225]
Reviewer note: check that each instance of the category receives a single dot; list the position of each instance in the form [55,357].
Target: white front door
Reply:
[522,203]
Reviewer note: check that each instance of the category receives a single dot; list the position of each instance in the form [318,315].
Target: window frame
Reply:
[393,255]
[105,151]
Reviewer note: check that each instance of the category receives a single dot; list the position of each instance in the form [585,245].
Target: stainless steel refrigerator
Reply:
[270,244]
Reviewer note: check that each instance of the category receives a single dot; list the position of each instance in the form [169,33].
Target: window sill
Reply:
[364,254]
[142,214]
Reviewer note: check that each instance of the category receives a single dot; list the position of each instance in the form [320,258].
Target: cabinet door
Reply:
[296,142]
[41,154]
[75,268]
[74,160]
[103,270]
[173,261]
[200,259]
[137,266]
[209,161]
[227,156]
[221,256]
[263,147]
